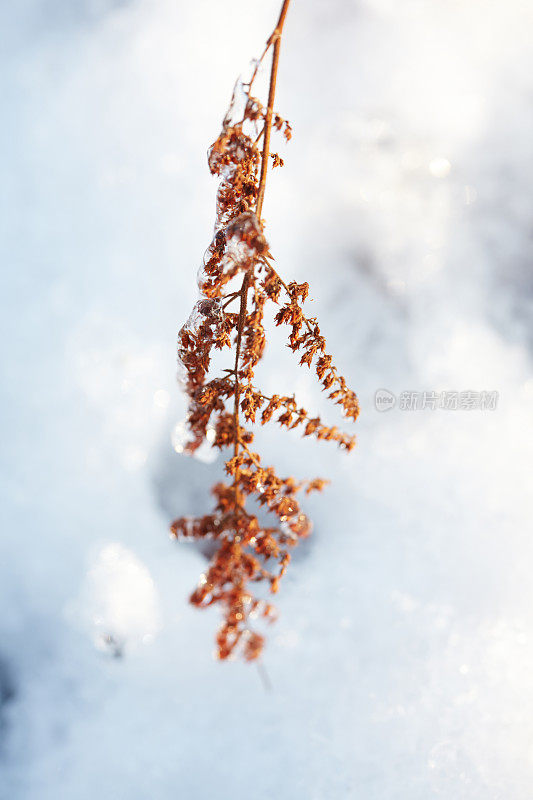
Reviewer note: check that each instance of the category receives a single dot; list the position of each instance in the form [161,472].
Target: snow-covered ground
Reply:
[401,664]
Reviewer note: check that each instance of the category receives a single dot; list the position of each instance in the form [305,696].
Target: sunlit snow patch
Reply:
[119,601]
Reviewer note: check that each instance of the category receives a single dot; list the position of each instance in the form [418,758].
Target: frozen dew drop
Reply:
[205,310]
[182,373]
[201,278]
[237,106]
[206,453]
[439,167]
[180,436]
[301,525]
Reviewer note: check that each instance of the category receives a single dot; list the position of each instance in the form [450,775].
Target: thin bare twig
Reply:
[275,40]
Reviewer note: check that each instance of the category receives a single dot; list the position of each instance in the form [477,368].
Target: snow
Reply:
[401,663]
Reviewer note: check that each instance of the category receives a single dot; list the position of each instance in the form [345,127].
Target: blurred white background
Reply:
[401,665]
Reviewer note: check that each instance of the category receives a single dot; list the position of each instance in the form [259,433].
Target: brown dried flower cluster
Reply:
[247,552]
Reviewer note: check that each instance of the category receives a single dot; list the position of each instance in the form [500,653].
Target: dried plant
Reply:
[246,551]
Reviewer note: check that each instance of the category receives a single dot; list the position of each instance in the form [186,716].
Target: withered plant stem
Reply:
[237,392]
[247,549]
[275,42]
